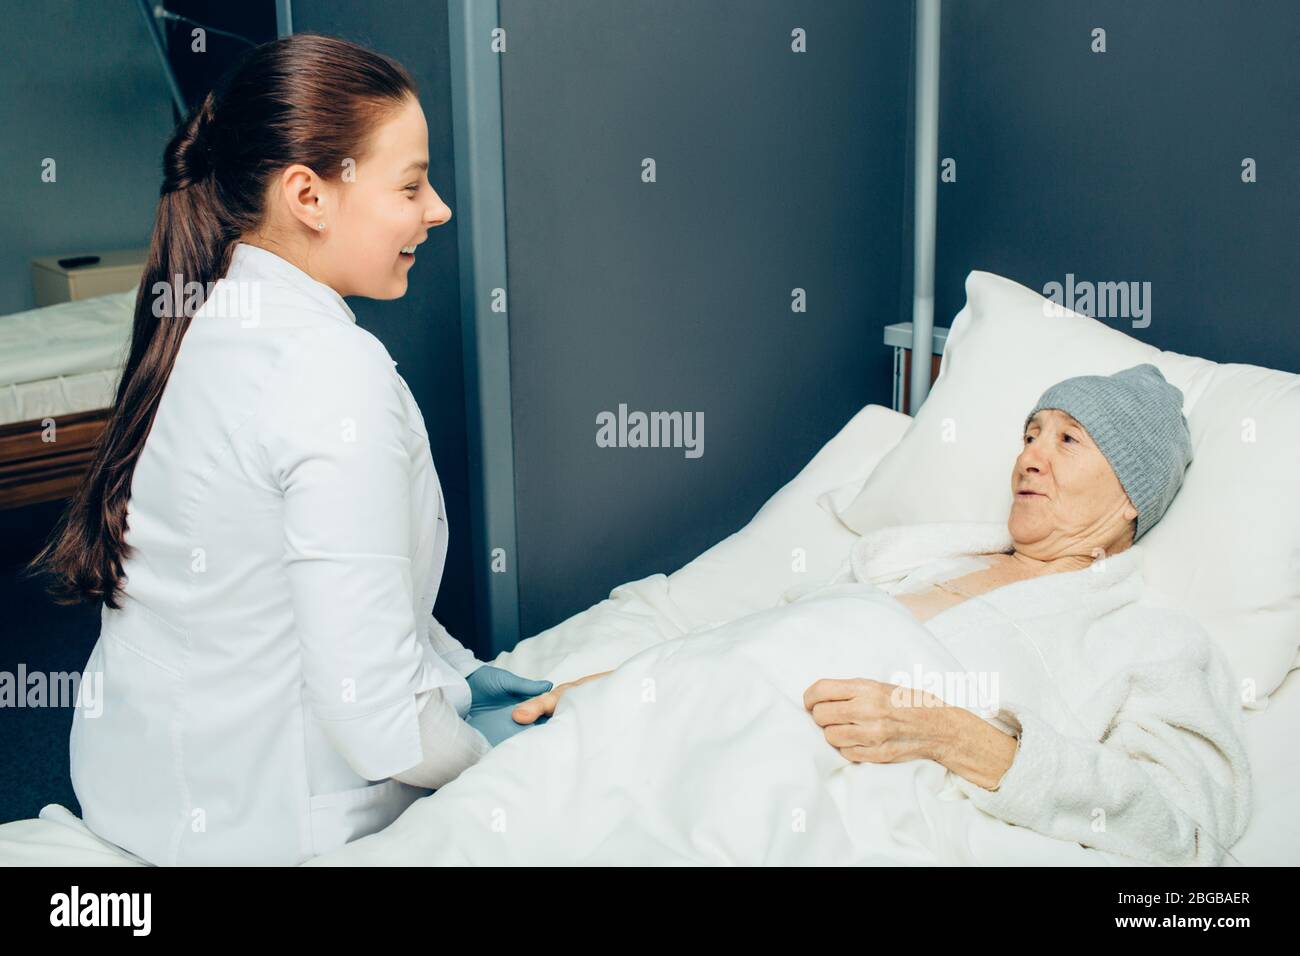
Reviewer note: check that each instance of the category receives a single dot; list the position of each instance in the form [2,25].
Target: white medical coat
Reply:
[289,535]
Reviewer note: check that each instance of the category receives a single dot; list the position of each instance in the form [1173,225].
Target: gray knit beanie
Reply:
[1136,418]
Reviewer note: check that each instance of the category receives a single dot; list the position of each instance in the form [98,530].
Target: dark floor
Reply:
[44,637]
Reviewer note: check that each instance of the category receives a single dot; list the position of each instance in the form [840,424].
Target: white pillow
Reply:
[1228,548]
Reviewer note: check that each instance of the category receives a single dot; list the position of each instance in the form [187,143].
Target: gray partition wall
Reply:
[476,46]
[674,172]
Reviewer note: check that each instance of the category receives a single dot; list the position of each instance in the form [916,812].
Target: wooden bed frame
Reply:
[33,470]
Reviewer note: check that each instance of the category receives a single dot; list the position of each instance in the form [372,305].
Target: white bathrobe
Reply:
[1131,734]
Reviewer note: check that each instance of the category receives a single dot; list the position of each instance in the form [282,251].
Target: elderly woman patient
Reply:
[1155,767]
[1126,733]
[1115,725]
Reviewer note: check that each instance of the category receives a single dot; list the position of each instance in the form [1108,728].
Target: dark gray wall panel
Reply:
[1126,165]
[775,170]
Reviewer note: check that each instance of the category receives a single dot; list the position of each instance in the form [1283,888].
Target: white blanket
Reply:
[699,750]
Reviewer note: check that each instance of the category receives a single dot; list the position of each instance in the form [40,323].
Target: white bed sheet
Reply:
[746,572]
[63,358]
[52,397]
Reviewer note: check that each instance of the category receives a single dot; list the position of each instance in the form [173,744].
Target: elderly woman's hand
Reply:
[545,704]
[873,722]
[869,721]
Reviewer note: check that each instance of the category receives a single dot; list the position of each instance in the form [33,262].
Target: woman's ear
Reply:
[304,195]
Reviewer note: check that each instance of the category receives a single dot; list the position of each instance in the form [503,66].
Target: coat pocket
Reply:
[147,635]
[346,815]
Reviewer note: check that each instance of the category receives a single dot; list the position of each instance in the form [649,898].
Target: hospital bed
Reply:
[61,363]
[752,569]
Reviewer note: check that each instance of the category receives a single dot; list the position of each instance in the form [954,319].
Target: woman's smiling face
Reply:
[374,211]
[1065,496]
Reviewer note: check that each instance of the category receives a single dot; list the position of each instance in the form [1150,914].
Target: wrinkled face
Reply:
[388,206]
[1065,497]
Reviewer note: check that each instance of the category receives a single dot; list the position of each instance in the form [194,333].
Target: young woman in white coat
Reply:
[262,520]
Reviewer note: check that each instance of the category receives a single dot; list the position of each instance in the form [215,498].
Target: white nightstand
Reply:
[116,271]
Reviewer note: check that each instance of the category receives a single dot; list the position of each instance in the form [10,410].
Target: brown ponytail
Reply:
[301,99]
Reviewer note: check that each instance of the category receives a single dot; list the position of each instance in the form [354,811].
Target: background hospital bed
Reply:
[60,362]
[746,572]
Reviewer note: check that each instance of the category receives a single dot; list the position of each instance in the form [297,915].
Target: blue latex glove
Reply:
[494,693]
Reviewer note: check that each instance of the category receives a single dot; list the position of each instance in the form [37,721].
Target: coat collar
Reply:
[251,263]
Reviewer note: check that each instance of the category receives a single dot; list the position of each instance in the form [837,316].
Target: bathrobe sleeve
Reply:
[1169,780]
[335,441]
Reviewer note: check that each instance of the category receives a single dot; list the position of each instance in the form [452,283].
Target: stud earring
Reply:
[320,225]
